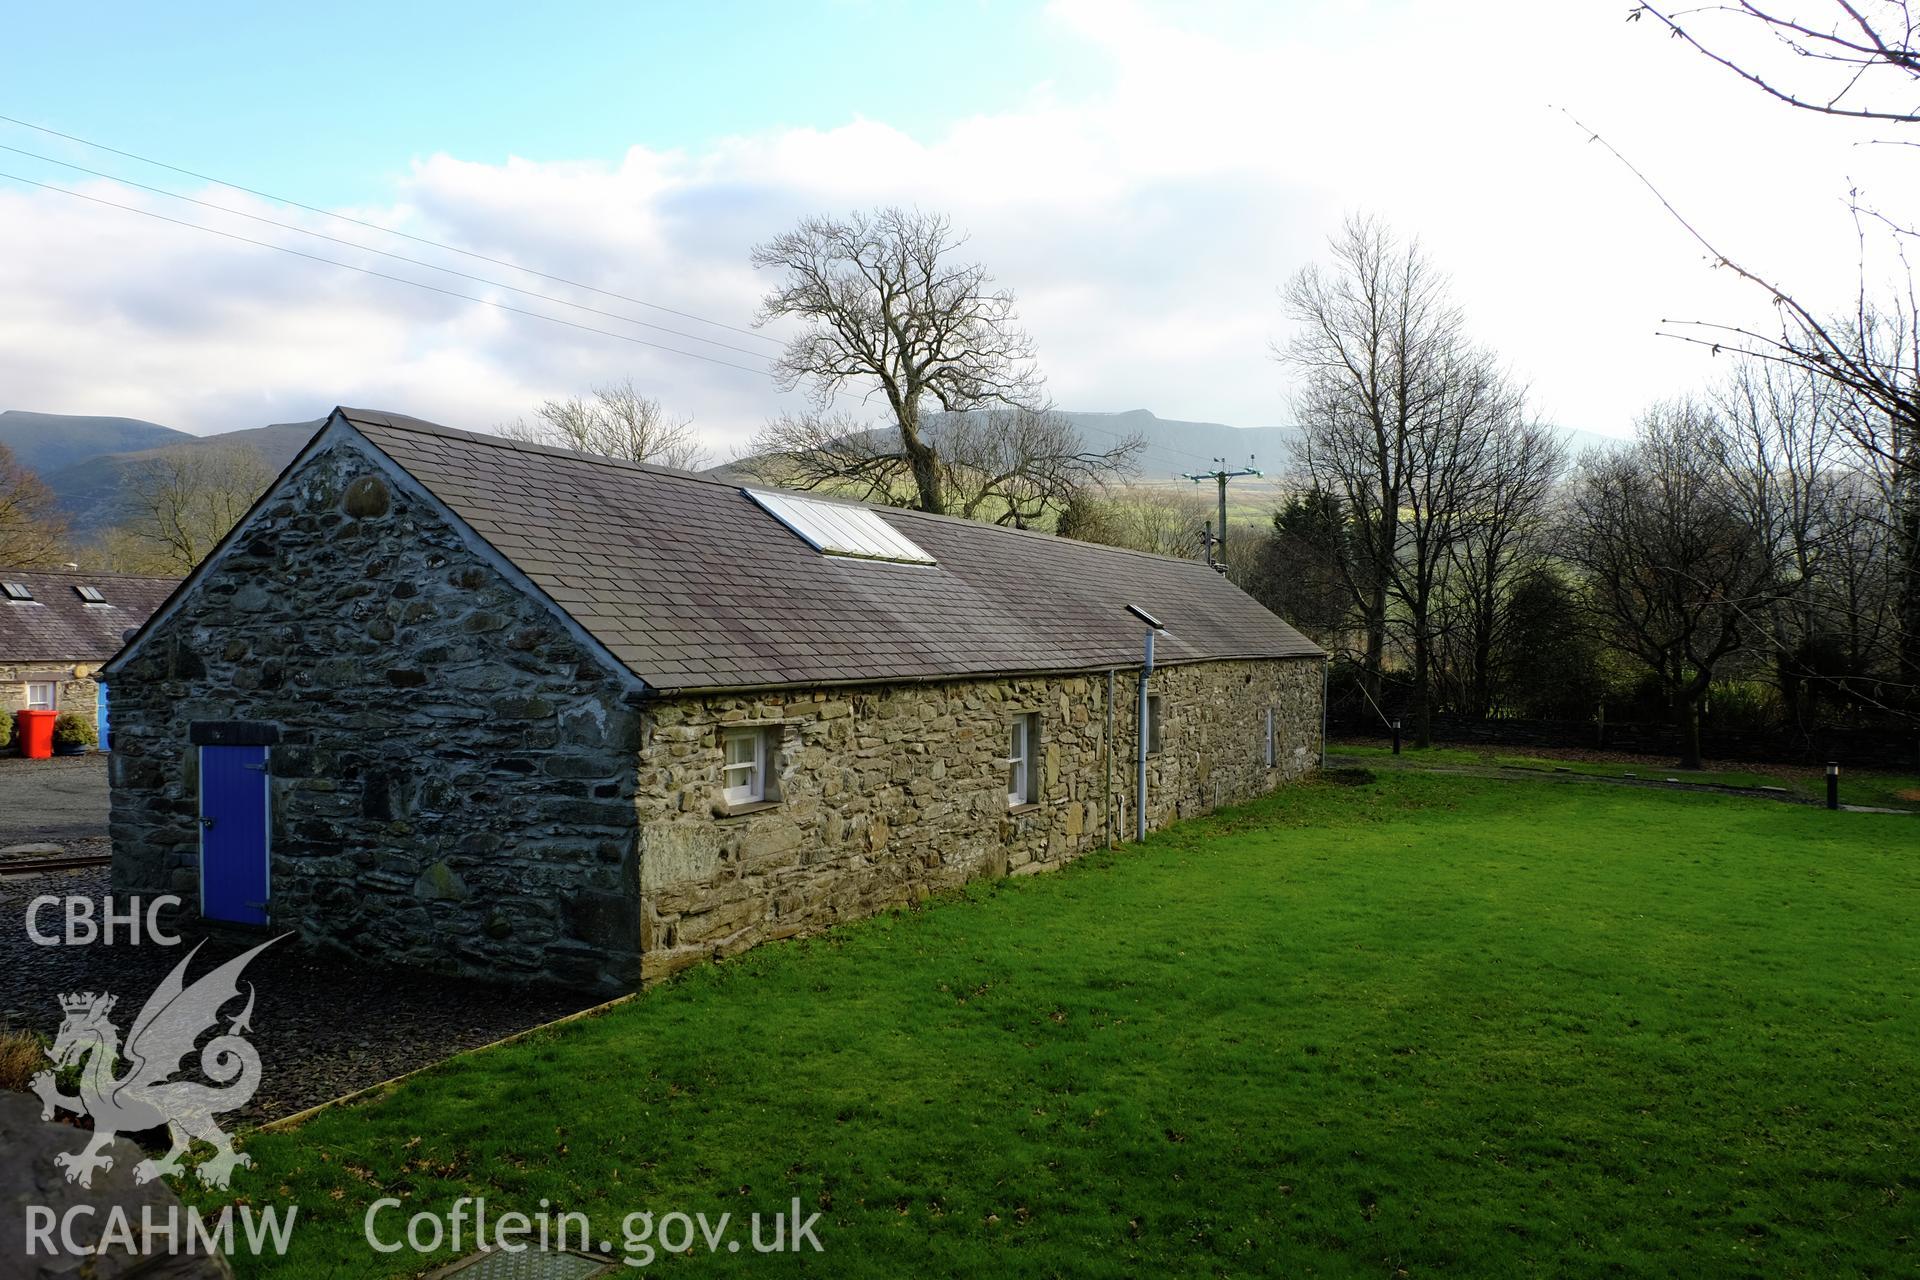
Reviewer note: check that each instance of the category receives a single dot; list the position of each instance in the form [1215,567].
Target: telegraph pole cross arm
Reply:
[1221,476]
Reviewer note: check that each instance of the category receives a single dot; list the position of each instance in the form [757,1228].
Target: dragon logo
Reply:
[146,1097]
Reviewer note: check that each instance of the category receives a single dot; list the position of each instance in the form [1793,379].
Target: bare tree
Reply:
[1840,58]
[183,501]
[32,531]
[1165,520]
[1779,451]
[616,421]
[1374,337]
[885,309]
[836,452]
[1853,59]
[1673,573]
[1021,467]
[1500,546]
[1454,471]
[1016,467]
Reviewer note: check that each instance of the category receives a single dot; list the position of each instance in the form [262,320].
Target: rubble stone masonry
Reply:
[886,795]
[457,782]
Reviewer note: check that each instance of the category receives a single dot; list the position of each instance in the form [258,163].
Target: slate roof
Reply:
[692,585]
[58,626]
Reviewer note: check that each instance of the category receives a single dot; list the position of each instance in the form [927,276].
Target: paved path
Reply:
[1525,773]
[60,801]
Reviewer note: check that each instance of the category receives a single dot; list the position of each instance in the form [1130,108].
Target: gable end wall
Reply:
[452,785]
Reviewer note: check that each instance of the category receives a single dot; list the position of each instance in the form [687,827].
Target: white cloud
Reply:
[1147,230]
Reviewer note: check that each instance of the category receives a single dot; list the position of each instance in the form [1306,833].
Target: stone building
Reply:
[57,628]
[486,707]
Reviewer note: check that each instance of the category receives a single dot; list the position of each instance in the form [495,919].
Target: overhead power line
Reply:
[366,248]
[374,226]
[1162,450]
[380,275]
[1171,454]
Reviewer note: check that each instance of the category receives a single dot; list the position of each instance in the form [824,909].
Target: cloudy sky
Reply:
[1144,176]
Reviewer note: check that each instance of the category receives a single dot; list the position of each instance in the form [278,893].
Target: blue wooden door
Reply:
[233,834]
[100,714]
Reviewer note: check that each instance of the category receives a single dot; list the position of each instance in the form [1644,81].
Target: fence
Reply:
[1879,748]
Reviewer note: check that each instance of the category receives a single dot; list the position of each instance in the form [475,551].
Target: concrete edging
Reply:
[286,1124]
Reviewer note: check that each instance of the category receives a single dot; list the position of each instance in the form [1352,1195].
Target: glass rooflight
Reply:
[837,529]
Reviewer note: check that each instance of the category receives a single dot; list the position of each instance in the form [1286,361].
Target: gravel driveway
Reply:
[323,1026]
[60,801]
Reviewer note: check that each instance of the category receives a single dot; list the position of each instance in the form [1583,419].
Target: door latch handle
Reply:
[207,823]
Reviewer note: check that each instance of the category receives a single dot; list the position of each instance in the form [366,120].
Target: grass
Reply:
[22,1057]
[1857,786]
[1432,1024]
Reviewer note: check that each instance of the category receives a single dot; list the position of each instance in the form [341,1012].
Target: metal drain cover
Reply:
[533,1264]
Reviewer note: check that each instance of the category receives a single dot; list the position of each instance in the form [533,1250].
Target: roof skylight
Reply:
[91,595]
[836,529]
[16,590]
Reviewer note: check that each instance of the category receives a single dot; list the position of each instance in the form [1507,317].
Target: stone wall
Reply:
[457,784]
[888,794]
[451,774]
[77,692]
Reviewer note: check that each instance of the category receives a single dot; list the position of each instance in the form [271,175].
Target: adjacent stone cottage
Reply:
[57,628]
[486,707]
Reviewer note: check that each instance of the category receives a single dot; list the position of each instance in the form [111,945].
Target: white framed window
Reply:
[743,772]
[1023,742]
[1153,724]
[1271,746]
[42,695]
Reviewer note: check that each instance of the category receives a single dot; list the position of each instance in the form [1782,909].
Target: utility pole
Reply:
[1221,476]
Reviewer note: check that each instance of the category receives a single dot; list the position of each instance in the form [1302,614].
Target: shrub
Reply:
[72,730]
[6,729]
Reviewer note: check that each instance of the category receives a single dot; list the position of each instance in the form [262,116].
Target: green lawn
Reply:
[1427,1025]
[1857,786]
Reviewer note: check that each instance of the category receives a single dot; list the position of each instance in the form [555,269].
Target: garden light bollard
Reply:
[1833,784]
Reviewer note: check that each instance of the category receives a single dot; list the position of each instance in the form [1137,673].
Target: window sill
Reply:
[1028,807]
[724,810]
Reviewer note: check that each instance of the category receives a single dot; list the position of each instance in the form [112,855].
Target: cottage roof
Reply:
[693,584]
[59,623]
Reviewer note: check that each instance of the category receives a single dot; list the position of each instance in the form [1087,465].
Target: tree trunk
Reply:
[1382,571]
[1689,709]
[921,457]
[1376,650]
[1909,619]
[1422,686]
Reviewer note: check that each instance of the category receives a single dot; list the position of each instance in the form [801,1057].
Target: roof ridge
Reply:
[100,575]
[403,422]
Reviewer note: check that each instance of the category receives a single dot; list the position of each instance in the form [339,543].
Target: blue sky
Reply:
[330,103]
[1145,174]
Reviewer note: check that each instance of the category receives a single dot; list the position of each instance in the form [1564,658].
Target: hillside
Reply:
[1175,446]
[86,461]
[47,442]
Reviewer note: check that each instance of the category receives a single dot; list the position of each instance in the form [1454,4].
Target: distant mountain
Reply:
[86,461]
[47,442]
[1174,446]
